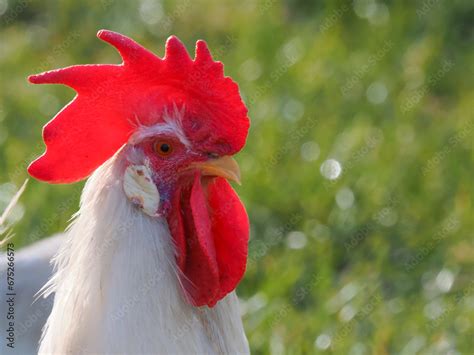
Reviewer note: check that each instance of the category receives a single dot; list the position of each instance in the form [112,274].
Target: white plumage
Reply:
[116,285]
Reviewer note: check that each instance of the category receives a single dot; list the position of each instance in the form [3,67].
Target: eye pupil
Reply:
[162,148]
[165,148]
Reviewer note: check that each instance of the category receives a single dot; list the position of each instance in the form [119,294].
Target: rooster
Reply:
[152,258]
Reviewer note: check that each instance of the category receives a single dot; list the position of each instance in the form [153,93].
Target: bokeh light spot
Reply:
[377,93]
[310,151]
[331,169]
[296,240]
[250,70]
[323,341]
[293,110]
[445,280]
[345,198]
[151,11]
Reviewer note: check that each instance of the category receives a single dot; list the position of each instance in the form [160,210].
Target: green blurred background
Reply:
[358,170]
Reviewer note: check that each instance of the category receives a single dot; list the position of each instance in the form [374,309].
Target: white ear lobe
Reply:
[140,189]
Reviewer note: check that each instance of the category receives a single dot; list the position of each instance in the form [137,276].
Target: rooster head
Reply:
[175,122]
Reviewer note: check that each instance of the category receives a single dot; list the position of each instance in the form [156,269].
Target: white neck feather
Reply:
[116,286]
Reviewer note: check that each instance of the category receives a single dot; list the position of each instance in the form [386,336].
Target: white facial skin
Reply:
[140,189]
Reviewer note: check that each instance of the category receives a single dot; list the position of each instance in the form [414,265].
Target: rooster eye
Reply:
[163,148]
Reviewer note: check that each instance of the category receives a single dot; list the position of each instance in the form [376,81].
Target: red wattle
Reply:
[210,229]
[230,228]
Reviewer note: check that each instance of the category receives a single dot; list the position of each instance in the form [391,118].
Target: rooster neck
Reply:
[116,285]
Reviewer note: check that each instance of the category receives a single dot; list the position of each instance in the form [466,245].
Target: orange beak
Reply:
[225,167]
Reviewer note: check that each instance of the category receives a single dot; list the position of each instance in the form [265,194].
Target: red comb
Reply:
[112,100]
